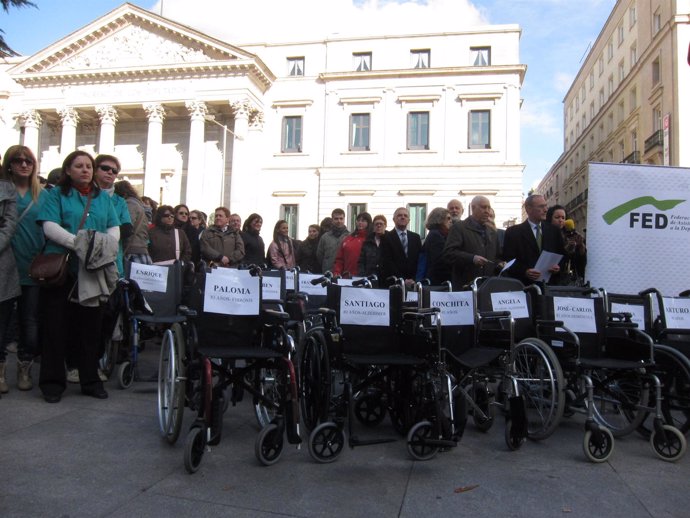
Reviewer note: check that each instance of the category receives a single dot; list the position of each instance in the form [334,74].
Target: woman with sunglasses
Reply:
[76,202]
[20,168]
[167,243]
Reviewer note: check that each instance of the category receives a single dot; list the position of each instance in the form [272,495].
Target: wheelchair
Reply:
[671,349]
[496,361]
[359,366]
[608,365]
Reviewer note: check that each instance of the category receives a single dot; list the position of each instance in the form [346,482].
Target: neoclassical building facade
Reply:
[288,130]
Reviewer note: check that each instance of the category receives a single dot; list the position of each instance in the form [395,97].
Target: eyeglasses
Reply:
[168,215]
[22,161]
[193,217]
[379,224]
[108,169]
[182,213]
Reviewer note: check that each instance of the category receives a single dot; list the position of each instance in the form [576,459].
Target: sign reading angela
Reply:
[677,312]
[150,277]
[364,307]
[457,307]
[513,301]
[229,294]
[576,314]
[635,310]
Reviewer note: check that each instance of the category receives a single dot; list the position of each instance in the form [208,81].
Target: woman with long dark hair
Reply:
[167,243]
[306,251]
[281,251]
[75,203]
[254,248]
[574,243]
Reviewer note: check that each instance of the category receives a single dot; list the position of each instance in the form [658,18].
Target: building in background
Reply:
[289,130]
[629,101]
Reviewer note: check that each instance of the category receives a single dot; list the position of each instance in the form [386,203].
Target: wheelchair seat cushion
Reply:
[153,319]
[478,356]
[238,352]
[382,359]
[612,363]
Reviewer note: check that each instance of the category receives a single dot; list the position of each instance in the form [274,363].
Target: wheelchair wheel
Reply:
[673,370]
[669,448]
[369,407]
[269,386]
[194,449]
[268,446]
[482,397]
[619,400]
[108,361]
[326,442]
[314,379]
[417,441]
[125,374]
[171,387]
[541,384]
[513,441]
[598,450]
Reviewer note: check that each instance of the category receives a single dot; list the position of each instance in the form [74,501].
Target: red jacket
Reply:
[347,258]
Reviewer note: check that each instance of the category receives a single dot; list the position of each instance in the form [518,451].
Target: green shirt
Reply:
[28,240]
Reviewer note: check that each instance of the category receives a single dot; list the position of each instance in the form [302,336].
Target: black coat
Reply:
[306,256]
[521,245]
[393,260]
[369,257]
[254,250]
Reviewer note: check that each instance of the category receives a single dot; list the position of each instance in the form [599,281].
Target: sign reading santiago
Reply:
[638,227]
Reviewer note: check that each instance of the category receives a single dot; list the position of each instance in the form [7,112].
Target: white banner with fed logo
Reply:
[677,312]
[457,307]
[364,307]
[576,314]
[149,277]
[232,293]
[513,301]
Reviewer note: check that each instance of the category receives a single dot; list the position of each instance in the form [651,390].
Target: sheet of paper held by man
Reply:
[546,260]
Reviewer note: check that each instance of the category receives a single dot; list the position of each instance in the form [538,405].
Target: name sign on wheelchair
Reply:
[677,312]
[149,277]
[513,301]
[635,310]
[232,294]
[364,307]
[307,287]
[577,314]
[289,279]
[348,282]
[457,307]
[270,288]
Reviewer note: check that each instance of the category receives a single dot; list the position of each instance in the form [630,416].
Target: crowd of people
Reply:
[83,206]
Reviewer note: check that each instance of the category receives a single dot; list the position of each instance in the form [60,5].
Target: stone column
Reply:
[154,148]
[31,120]
[68,138]
[239,177]
[106,140]
[195,162]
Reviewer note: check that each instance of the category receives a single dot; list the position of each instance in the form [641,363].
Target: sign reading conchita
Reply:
[638,228]
[457,307]
[149,277]
[364,307]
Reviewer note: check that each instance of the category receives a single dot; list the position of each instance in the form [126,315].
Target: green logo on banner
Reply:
[629,206]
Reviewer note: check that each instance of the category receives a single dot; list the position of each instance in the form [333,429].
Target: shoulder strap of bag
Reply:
[177,244]
[86,211]
[21,216]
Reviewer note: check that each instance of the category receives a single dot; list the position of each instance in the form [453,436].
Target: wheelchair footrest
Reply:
[354,441]
[441,443]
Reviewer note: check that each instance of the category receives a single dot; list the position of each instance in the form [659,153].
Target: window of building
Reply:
[359,131]
[296,66]
[290,213]
[633,99]
[610,85]
[480,129]
[621,111]
[601,65]
[361,61]
[633,55]
[621,71]
[591,81]
[417,218]
[591,110]
[577,103]
[584,121]
[621,150]
[611,127]
[583,94]
[577,130]
[570,112]
[656,71]
[420,58]
[418,130]
[621,34]
[632,15]
[354,210]
[292,135]
[602,98]
[657,118]
[609,51]
[480,56]
[656,22]
[633,140]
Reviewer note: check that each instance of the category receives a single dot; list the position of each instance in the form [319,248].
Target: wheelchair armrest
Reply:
[665,332]
[494,315]
[325,311]
[549,323]
[186,311]
[275,315]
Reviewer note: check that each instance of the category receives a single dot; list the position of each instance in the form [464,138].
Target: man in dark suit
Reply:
[526,241]
[400,249]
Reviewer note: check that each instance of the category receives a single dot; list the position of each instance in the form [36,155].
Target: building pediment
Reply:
[131,42]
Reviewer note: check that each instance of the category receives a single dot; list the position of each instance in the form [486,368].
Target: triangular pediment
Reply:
[134,40]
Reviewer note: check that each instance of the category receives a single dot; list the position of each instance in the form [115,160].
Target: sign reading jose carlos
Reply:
[638,228]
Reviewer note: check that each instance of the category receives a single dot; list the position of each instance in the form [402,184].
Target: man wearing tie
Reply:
[526,241]
[400,249]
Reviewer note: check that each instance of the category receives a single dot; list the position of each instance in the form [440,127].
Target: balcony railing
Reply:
[656,139]
[632,158]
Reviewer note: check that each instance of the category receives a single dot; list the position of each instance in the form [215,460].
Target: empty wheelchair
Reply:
[608,365]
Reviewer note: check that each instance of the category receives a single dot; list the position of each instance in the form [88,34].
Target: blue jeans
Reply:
[28,307]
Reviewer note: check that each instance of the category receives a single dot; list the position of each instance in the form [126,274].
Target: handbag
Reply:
[51,269]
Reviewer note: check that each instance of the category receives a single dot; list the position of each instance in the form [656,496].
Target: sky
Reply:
[556,36]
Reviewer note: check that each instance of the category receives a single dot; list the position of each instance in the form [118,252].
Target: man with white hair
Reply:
[472,248]
[456,210]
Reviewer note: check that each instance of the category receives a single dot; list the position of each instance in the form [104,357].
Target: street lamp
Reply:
[212,118]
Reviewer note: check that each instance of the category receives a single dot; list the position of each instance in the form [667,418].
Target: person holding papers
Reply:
[527,242]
